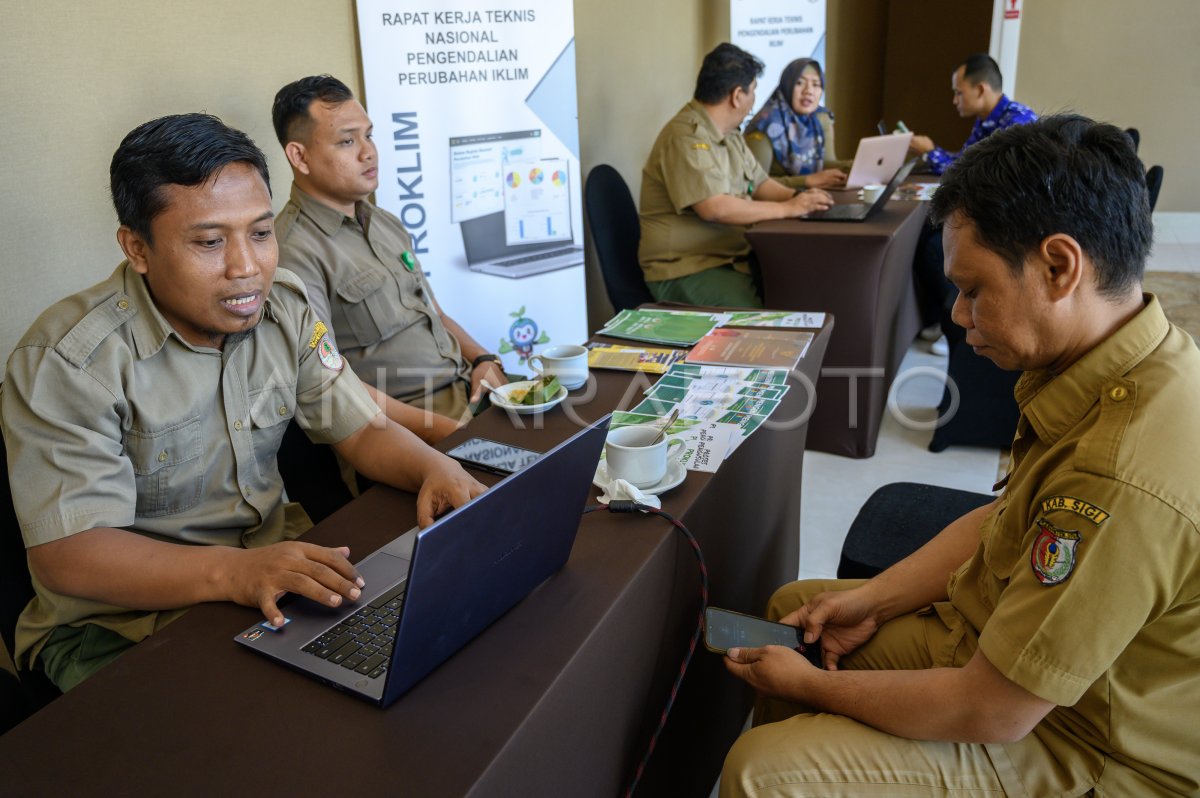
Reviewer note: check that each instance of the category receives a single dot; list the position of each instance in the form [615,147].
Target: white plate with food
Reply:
[512,397]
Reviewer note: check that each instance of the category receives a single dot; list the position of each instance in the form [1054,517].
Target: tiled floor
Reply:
[835,487]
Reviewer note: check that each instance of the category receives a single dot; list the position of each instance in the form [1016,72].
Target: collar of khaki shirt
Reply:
[1054,404]
[706,125]
[329,220]
[150,329]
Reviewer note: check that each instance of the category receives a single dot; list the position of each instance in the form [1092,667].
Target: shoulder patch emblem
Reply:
[699,145]
[1053,555]
[331,358]
[319,329]
[1078,506]
[327,351]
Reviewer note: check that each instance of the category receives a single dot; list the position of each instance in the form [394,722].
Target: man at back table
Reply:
[361,268]
[142,416]
[1046,643]
[702,186]
[978,91]
[977,87]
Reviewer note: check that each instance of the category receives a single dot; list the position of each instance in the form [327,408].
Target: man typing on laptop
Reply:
[361,270]
[145,413]
[702,186]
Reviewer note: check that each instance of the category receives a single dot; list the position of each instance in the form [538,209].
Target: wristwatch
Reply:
[486,357]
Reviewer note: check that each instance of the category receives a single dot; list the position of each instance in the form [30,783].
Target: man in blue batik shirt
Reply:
[977,92]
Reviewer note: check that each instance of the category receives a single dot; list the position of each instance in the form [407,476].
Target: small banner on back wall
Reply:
[475,119]
[778,32]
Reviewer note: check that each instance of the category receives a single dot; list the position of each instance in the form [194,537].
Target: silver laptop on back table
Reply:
[877,159]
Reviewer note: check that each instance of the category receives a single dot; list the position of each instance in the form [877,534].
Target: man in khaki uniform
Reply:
[1045,644]
[145,412]
[359,265]
[701,188]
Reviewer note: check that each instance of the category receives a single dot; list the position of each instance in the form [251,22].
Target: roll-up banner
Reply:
[475,118]
[778,32]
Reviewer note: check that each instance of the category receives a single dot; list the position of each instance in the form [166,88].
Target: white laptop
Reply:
[878,158]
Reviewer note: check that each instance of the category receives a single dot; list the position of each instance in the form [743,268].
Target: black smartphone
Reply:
[493,456]
[724,630]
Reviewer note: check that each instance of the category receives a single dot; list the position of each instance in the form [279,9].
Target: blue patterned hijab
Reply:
[797,139]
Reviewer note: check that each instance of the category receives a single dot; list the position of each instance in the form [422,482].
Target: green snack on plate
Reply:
[544,389]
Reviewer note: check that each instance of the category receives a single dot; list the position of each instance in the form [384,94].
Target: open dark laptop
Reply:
[859,211]
[430,591]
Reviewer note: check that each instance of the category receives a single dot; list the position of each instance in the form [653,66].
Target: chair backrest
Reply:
[616,231]
[16,588]
[16,591]
[1154,178]
[1134,136]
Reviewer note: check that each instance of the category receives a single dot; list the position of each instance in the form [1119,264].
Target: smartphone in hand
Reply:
[724,629]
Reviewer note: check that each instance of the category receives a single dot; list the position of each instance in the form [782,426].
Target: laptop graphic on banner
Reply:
[512,206]
[859,211]
[877,159]
[429,592]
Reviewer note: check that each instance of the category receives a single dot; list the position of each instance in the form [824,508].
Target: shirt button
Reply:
[283,410]
[162,457]
[1118,394]
[247,490]
[237,425]
[123,304]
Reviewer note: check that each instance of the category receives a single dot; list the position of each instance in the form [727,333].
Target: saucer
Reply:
[500,399]
[674,477]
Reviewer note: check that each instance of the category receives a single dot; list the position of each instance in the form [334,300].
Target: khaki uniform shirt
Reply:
[363,275]
[112,420]
[1086,587]
[690,162]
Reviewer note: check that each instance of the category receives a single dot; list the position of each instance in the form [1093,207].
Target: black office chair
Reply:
[1154,179]
[897,520]
[613,219]
[1134,136]
[31,690]
[311,474]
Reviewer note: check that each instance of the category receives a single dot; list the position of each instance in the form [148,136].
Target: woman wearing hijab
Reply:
[798,129]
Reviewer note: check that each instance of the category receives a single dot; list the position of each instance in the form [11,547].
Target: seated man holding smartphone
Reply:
[1044,644]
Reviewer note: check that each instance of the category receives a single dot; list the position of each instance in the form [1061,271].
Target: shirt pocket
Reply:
[167,467]
[373,307]
[271,409]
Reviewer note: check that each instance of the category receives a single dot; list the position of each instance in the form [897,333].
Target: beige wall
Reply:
[1132,64]
[636,66]
[79,76]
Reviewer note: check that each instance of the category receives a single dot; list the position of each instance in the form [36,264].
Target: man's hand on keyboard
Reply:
[259,577]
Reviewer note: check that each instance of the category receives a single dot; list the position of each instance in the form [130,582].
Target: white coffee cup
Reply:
[633,457]
[568,362]
[871,191]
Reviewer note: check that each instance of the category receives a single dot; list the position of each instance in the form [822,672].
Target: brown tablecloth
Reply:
[558,697]
[862,273]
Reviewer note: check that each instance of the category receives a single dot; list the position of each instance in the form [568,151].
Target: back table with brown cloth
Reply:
[862,273]
[558,697]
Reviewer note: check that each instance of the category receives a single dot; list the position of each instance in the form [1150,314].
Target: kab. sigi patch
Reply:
[1054,553]
[1077,506]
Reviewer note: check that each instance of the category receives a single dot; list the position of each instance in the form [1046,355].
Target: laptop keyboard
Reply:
[554,253]
[363,641]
